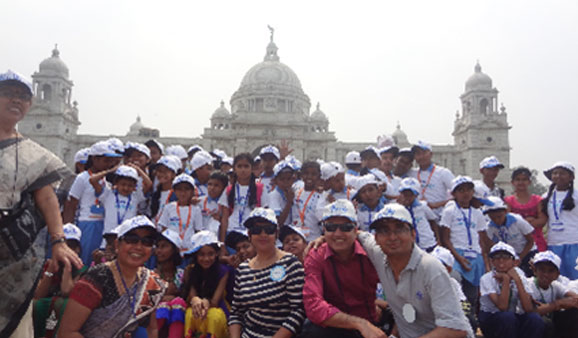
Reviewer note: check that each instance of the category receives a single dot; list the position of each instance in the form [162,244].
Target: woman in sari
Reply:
[118,298]
[28,173]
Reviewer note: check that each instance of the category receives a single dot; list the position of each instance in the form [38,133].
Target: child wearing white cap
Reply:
[270,156]
[506,308]
[559,207]
[424,219]
[353,164]
[166,169]
[201,167]
[490,168]
[370,202]
[463,232]
[214,213]
[512,229]
[304,213]
[388,157]
[121,200]
[181,215]
[334,176]
[281,198]
[556,303]
[435,180]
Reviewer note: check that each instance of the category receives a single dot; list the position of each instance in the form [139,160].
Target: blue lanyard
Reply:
[556,213]
[241,205]
[119,219]
[131,300]
[468,223]
[410,208]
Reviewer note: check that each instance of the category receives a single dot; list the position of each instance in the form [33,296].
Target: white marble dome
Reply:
[221,112]
[54,65]
[318,115]
[478,80]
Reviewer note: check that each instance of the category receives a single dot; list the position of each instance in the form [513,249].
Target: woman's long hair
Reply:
[252,185]
[568,202]
[204,282]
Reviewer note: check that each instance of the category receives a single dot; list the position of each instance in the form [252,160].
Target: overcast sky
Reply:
[369,63]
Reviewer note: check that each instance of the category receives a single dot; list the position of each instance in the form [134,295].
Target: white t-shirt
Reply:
[435,187]
[164,199]
[209,207]
[422,214]
[573,286]
[277,203]
[512,233]
[393,184]
[562,229]
[458,290]
[267,182]
[305,203]
[365,215]
[202,189]
[82,190]
[487,192]
[118,208]
[347,194]
[351,177]
[186,220]
[554,292]
[241,209]
[489,285]
[456,219]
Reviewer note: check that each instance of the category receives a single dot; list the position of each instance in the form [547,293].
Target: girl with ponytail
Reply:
[558,206]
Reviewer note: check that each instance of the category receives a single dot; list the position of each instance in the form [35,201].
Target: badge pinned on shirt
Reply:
[277,273]
[408,313]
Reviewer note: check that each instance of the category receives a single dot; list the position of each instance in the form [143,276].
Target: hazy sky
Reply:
[369,63]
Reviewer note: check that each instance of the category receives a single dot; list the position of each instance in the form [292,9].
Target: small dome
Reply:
[54,65]
[400,137]
[318,115]
[136,127]
[221,112]
[478,80]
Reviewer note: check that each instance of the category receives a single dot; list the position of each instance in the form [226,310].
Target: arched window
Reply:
[46,92]
[484,106]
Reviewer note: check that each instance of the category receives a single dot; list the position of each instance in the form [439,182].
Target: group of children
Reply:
[199,201]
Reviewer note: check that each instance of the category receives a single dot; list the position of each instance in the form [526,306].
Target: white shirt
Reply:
[163,200]
[365,215]
[393,184]
[186,220]
[208,207]
[436,185]
[277,203]
[267,182]
[512,232]
[202,189]
[489,285]
[241,209]
[347,194]
[117,207]
[351,178]
[82,190]
[458,290]
[487,192]
[305,204]
[422,214]
[562,224]
[456,218]
[554,292]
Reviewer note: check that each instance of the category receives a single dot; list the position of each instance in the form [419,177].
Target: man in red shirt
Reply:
[340,281]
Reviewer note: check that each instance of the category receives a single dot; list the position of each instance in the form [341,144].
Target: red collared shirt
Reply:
[352,292]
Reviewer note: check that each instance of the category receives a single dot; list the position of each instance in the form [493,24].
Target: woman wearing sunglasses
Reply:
[118,298]
[267,298]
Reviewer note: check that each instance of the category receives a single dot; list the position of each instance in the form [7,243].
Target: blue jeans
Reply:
[506,324]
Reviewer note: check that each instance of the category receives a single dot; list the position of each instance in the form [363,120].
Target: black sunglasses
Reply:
[257,229]
[147,241]
[332,227]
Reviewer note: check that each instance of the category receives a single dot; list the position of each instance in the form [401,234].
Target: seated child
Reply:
[242,245]
[554,302]
[293,240]
[506,309]
[209,203]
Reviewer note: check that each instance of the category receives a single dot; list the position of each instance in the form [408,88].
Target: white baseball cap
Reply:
[220,153]
[71,231]
[135,223]
[13,76]
[257,159]
[103,148]
[491,162]
[290,229]
[364,180]
[116,144]
[561,164]
[200,159]
[459,180]
[281,166]
[173,237]
[496,203]
[353,157]
[172,162]
[385,141]
[228,160]
[262,213]
[81,156]
[370,150]
[202,238]
[194,147]
[501,246]
[138,147]
[379,175]
[406,150]
[178,151]
[389,149]
[393,211]
[340,208]
[331,169]
[156,143]
[444,255]
[422,145]
[481,193]
[126,171]
[184,178]
[410,183]
[270,149]
[294,162]
[547,256]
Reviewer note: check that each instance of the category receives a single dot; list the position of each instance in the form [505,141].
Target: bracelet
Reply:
[58,241]
[48,274]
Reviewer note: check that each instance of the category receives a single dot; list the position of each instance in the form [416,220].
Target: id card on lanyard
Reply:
[424,187]
[183,228]
[242,203]
[557,224]
[120,218]
[469,252]
[302,211]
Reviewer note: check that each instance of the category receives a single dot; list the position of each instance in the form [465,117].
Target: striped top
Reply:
[267,299]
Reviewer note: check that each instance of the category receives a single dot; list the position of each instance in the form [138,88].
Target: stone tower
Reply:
[481,129]
[53,119]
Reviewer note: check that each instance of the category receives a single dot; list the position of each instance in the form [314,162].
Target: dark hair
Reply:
[220,176]
[233,238]
[520,171]
[153,144]
[311,164]
[176,256]
[118,178]
[204,283]
[568,202]
[252,185]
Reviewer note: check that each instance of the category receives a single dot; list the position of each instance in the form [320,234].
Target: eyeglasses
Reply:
[345,227]
[134,239]
[397,231]
[9,94]
[269,229]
